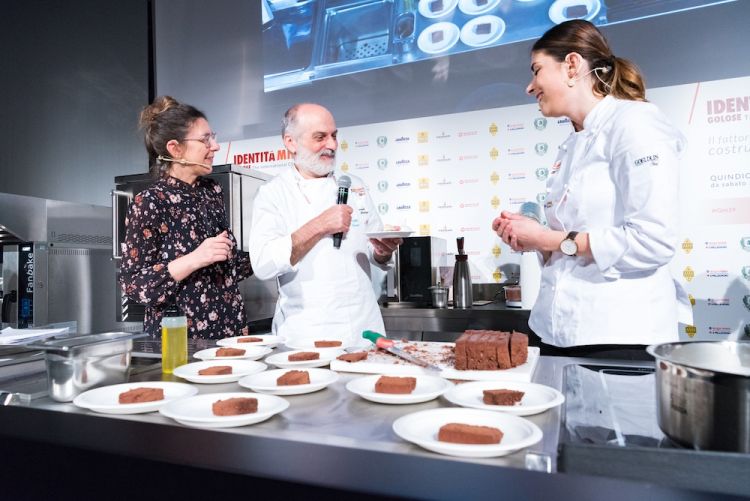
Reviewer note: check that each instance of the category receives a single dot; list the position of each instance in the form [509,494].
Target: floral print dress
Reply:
[167,221]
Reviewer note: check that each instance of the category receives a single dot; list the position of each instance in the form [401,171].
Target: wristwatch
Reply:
[569,246]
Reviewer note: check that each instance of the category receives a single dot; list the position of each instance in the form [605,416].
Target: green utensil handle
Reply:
[378,339]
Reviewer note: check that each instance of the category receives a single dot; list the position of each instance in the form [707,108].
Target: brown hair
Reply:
[623,80]
[163,120]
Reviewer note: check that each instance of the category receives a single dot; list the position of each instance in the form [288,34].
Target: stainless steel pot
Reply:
[703,393]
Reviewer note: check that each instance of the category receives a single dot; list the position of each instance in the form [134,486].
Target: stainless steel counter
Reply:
[329,439]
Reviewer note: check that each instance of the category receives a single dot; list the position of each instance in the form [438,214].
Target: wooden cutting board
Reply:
[380,362]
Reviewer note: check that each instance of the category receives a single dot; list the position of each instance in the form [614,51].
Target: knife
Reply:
[389,345]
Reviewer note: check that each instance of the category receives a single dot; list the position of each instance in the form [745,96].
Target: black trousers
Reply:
[604,351]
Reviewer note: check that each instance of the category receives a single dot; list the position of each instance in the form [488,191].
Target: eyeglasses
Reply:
[206,139]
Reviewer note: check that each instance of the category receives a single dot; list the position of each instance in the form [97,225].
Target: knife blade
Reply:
[389,345]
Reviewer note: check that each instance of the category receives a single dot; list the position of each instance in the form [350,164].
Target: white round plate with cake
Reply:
[197,411]
[267,382]
[427,388]
[536,397]
[319,343]
[250,353]
[325,355]
[422,428]
[268,340]
[239,369]
[107,398]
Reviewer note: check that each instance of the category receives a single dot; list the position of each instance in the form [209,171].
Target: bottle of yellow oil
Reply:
[174,350]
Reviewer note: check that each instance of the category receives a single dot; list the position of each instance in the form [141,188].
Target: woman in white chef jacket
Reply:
[611,205]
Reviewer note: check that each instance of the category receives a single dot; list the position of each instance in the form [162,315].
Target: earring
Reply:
[571,82]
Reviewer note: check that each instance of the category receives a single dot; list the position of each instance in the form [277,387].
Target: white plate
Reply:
[282,359]
[268,340]
[196,411]
[422,428]
[537,397]
[472,39]
[388,234]
[448,6]
[308,344]
[240,369]
[105,399]
[265,382]
[428,388]
[470,7]
[251,353]
[450,38]
[558,13]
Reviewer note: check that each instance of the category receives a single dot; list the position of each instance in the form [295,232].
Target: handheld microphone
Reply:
[344,182]
[181,161]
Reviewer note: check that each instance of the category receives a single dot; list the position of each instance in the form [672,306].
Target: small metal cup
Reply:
[439,296]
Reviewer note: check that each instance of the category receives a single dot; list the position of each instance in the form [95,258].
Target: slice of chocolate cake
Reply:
[395,385]
[519,348]
[229,352]
[502,397]
[141,395]
[235,406]
[216,370]
[327,344]
[353,357]
[250,340]
[291,378]
[304,356]
[459,433]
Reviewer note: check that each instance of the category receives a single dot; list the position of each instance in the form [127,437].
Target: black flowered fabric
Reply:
[170,220]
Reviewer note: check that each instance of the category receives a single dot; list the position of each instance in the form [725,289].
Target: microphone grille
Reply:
[344,182]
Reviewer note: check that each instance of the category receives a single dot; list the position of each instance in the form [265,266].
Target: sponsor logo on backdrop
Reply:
[542,173]
[403,207]
[424,183]
[497,275]
[688,274]
[468,181]
[541,148]
[493,129]
[382,141]
[423,159]
[465,229]
[383,186]
[746,301]
[728,145]
[687,246]
[443,158]
[258,157]
[444,182]
[690,330]
[516,175]
[729,179]
[494,153]
[495,202]
[344,145]
[443,135]
[515,126]
[717,273]
[467,133]
[716,244]
[745,243]
[540,198]
[540,123]
[515,152]
[361,165]
[402,139]
[362,143]
[383,208]
[730,109]
[423,136]
[563,121]
[402,162]
[382,163]
[496,251]
[468,205]
[692,299]
[717,301]
[424,229]
[494,178]
[445,229]
[424,206]
[746,272]
[345,167]
[445,205]
[403,184]
[467,157]
[516,201]
[719,330]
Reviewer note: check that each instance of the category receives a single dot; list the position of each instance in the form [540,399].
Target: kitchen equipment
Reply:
[439,296]
[703,393]
[79,363]
[513,296]
[419,261]
[462,292]
[389,345]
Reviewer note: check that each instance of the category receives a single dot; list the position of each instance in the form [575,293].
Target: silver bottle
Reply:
[462,293]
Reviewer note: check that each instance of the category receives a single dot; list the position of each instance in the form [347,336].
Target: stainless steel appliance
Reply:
[55,263]
[419,261]
[239,186]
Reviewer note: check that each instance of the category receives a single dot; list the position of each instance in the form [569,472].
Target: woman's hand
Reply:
[213,250]
[520,232]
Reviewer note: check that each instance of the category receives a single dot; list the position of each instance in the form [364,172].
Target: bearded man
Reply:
[325,291]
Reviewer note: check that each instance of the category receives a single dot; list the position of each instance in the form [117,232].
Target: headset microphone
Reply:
[604,70]
[181,161]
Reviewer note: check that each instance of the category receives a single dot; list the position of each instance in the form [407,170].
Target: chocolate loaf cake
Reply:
[353,357]
[235,406]
[490,350]
[216,370]
[293,377]
[140,395]
[249,340]
[458,433]
[519,348]
[502,397]
[395,385]
[327,344]
[303,356]
[229,352]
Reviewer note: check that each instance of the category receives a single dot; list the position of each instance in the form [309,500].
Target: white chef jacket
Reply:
[329,293]
[616,179]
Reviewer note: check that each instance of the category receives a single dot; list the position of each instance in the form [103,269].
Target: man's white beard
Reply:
[311,162]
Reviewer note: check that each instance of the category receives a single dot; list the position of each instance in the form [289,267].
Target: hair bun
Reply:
[153,110]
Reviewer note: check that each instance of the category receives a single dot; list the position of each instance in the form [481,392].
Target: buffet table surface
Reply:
[331,439]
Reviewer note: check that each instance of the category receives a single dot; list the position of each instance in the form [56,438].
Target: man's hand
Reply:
[383,248]
[335,219]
